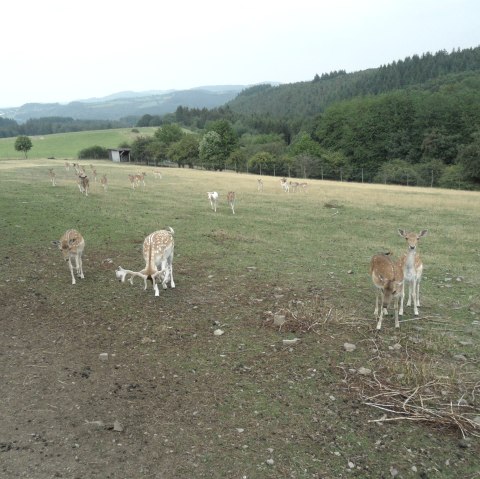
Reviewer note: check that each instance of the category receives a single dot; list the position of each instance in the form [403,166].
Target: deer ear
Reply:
[423,233]
[402,233]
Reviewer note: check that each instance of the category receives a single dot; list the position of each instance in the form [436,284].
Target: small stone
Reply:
[351,465]
[270,462]
[291,341]
[349,347]
[103,356]
[364,371]
[218,332]
[117,426]
[278,319]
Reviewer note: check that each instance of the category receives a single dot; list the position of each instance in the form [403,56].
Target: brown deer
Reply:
[52,176]
[158,256]
[83,184]
[104,182]
[231,200]
[387,276]
[71,244]
[412,269]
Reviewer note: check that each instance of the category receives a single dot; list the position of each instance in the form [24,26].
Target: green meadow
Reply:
[68,145]
[204,380]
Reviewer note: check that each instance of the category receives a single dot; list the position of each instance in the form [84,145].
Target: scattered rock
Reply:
[103,356]
[459,357]
[350,271]
[364,371]
[393,471]
[218,332]
[270,462]
[291,341]
[278,319]
[349,347]
[117,426]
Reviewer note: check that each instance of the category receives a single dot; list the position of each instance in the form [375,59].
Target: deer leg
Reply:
[397,323]
[402,298]
[380,318]
[414,297]
[71,270]
[418,293]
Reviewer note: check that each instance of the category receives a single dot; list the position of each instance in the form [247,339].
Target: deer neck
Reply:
[409,269]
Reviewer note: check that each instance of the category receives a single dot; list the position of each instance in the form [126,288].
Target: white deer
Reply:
[387,276]
[213,198]
[231,200]
[260,185]
[71,244]
[158,256]
[284,185]
[412,269]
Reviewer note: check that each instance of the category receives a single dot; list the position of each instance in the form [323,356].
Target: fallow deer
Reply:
[104,182]
[83,184]
[213,198]
[140,178]
[284,185]
[94,172]
[412,269]
[158,256]
[133,181]
[71,244]
[157,174]
[67,165]
[387,276]
[260,185]
[294,186]
[52,176]
[231,200]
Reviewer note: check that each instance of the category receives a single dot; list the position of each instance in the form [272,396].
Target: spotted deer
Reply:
[71,244]
[260,185]
[284,185]
[104,182]
[140,178]
[157,174]
[133,181]
[412,269]
[83,184]
[52,176]
[158,256]
[387,276]
[231,200]
[213,198]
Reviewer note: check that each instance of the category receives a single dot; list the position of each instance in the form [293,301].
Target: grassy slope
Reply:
[67,145]
[280,252]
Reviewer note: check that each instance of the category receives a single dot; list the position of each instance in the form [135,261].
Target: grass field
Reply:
[174,400]
[68,145]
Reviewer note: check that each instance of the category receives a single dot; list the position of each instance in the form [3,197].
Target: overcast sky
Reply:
[60,51]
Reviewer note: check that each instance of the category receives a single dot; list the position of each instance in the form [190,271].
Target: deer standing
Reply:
[71,244]
[213,198]
[231,200]
[52,176]
[83,184]
[104,182]
[260,185]
[140,178]
[412,269]
[284,185]
[67,165]
[387,276]
[158,256]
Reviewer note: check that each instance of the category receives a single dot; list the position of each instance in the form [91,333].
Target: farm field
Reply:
[68,145]
[103,380]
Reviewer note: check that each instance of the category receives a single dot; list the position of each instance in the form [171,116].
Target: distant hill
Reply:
[123,104]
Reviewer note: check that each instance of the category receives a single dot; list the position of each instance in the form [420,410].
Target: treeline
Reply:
[51,125]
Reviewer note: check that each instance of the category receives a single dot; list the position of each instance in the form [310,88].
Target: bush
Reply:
[94,152]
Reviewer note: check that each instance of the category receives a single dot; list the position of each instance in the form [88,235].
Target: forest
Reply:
[415,122]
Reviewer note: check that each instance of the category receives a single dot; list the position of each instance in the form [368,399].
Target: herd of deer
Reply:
[390,276]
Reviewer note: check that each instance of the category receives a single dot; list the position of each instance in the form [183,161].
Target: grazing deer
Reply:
[387,276]
[52,176]
[284,185]
[303,186]
[260,185]
[104,182]
[83,184]
[158,256]
[231,200]
[412,269]
[213,198]
[71,244]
